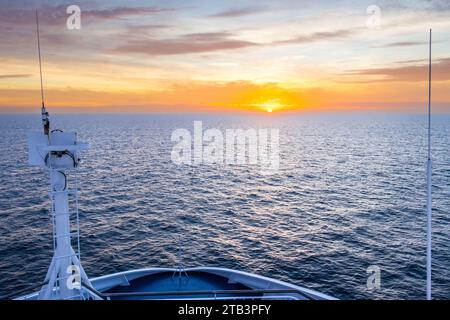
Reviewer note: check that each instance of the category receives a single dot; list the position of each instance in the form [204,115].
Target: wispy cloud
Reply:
[120,12]
[412,73]
[413,61]
[185,44]
[237,12]
[17,25]
[56,15]
[12,76]
[146,27]
[429,4]
[321,36]
[402,44]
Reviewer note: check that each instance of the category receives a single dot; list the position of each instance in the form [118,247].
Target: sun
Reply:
[270,105]
[267,101]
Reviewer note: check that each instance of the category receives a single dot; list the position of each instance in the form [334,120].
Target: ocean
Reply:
[350,194]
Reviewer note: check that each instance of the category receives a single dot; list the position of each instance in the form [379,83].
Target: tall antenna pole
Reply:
[429,182]
[40,62]
[44,113]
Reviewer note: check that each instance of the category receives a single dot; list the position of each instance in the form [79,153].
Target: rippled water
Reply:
[350,194]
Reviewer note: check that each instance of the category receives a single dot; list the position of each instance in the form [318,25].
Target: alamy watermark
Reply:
[374,18]
[374,279]
[74,279]
[258,147]
[73,22]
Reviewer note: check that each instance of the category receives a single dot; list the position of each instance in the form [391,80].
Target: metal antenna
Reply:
[44,113]
[429,182]
[40,62]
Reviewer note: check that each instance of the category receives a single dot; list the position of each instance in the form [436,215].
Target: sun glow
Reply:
[269,98]
[271,105]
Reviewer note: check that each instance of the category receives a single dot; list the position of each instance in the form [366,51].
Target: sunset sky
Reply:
[194,56]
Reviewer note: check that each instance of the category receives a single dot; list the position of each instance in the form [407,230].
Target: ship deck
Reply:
[201,283]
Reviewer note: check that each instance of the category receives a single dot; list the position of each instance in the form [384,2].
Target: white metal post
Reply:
[62,230]
[429,183]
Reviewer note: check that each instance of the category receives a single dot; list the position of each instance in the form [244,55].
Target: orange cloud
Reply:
[409,73]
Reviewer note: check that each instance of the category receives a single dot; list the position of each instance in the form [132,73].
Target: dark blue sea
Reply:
[350,193]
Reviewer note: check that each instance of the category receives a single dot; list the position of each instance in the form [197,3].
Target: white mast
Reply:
[57,152]
[429,185]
